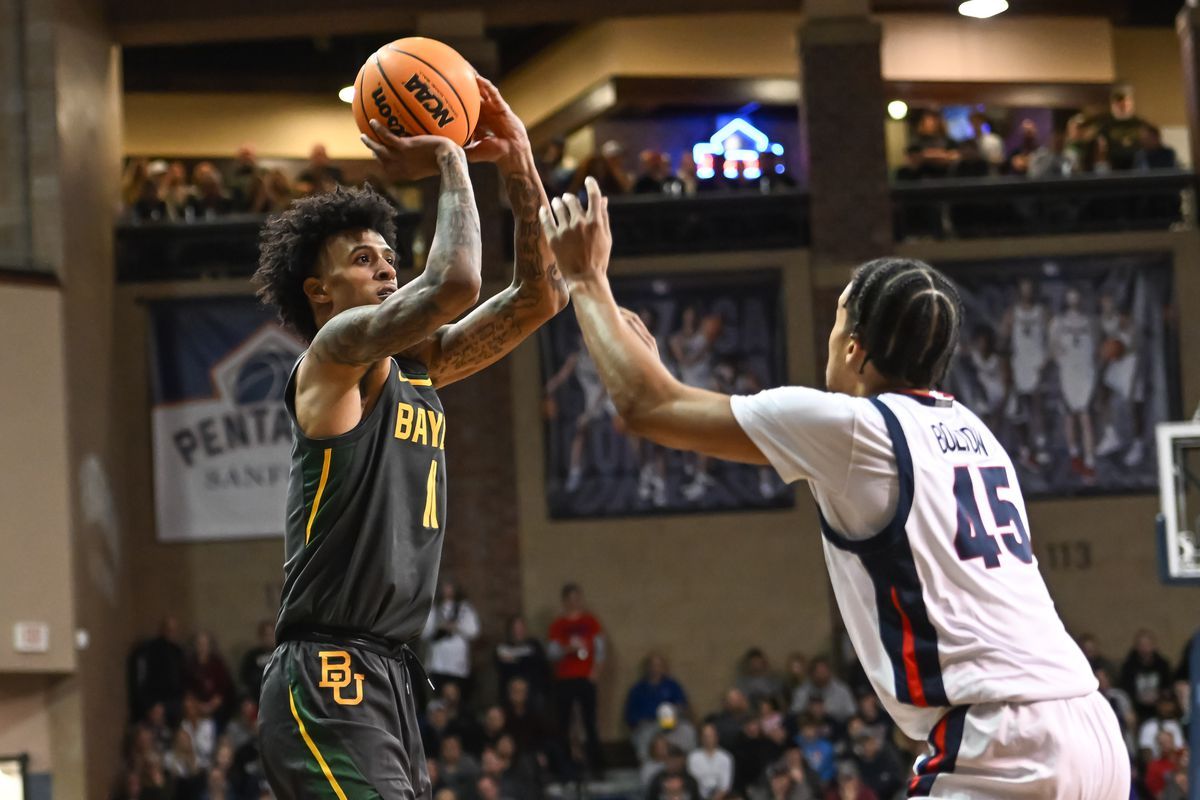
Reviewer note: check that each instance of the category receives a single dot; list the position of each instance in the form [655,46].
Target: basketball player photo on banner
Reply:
[222,437]
[720,331]
[1072,362]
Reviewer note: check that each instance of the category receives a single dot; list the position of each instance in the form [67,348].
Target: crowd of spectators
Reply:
[801,733]
[1098,144]
[158,191]
[655,174]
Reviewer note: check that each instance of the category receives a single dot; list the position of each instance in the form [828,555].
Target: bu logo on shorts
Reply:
[335,674]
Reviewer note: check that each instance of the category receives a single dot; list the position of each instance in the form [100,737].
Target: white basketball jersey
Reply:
[1074,339]
[945,606]
[1029,333]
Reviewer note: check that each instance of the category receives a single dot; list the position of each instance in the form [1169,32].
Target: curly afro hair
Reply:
[289,245]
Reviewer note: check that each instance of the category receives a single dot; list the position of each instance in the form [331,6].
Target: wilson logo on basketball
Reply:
[385,111]
[429,101]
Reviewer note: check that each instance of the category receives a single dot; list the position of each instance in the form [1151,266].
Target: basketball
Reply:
[417,86]
[1112,349]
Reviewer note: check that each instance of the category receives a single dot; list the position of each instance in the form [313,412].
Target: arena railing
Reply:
[1013,206]
[651,225]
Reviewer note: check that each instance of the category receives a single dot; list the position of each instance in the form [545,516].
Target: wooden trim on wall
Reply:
[24,276]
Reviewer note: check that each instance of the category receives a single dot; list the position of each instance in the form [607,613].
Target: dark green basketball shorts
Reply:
[339,721]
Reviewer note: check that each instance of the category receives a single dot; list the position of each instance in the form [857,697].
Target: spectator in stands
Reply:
[1121,704]
[320,175]
[459,770]
[577,648]
[839,701]
[449,631]
[256,658]
[874,718]
[243,727]
[971,163]
[655,761]
[878,765]
[729,721]
[461,721]
[522,720]
[849,785]
[271,193]
[607,171]
[184,768]
[1018,160]
[494,725]
[1090,646]
[655,176]
[789,779]
[208,679]
[756,679]
[1145,674]
[175,190]
[914,168]
[1177,784]
[818,750]
[1121,127]
[1164,720]
[555,175]
[157,724]
[673,780]
[132,180]
[201,728]
[711,766]
[1159,770]
[646,697]
[988,143]
[752,753]
[1078,138]
[149,205]
[210,199]
[522,656]
[243,177]
[1051,161]
[130,787]
[156,673]
[1095,158]
[937,150]
[795,673]
[1153,154]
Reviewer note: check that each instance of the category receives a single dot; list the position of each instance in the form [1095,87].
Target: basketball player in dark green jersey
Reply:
[366,507]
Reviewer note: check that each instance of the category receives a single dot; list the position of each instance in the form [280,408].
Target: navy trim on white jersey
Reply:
[895,529]
[908,637]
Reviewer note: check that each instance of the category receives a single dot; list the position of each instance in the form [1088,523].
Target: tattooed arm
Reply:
[449,285]
[537,291]
[347,360]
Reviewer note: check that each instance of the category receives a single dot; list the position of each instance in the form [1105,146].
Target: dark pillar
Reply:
[841,128]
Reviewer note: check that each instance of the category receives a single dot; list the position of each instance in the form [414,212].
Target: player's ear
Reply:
[316,291]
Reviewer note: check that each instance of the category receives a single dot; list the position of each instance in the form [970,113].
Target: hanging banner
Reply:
[222,436]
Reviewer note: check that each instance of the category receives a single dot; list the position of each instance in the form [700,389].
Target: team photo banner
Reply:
[222,435]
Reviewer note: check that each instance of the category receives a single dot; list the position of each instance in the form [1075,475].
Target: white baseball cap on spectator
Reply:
[611,148]
[666,716]
[156,167]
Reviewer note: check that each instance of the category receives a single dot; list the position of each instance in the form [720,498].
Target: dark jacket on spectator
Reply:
[1143,680]
[526,660]
[156,675]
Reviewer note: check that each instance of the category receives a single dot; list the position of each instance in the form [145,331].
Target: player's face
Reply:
[357,268]
[845,355]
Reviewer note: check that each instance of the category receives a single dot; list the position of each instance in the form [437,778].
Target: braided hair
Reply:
[906,315]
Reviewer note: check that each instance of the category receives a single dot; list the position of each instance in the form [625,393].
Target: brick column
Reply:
[1187,25]
[841,129]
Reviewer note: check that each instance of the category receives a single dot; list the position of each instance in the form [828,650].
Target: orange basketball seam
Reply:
[447,81]
[362,79]
[399,99]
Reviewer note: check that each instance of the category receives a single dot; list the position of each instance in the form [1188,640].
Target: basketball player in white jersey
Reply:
[1122,389]
[991,376]
[925,532]
[597,407]
[1025,327]
[1074,348]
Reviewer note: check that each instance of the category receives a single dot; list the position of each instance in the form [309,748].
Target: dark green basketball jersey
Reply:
[366,513]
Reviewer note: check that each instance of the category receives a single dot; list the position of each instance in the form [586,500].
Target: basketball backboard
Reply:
[1179,492]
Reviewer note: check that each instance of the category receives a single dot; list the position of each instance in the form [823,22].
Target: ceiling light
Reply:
[346,94]
[897,109]
[982,9]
